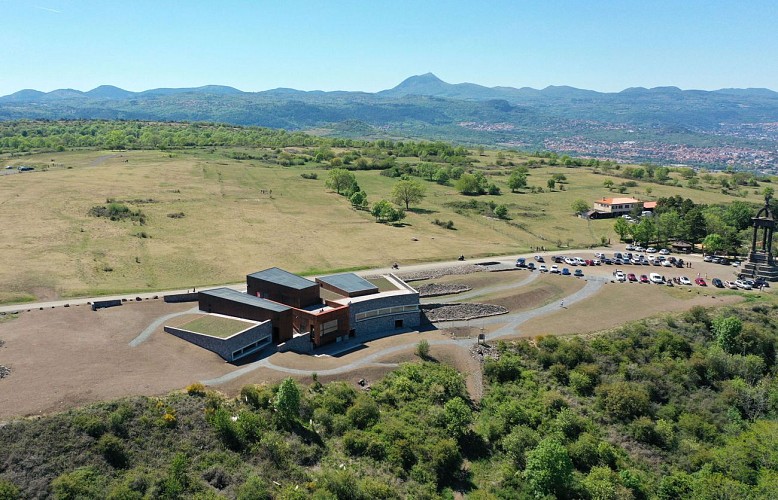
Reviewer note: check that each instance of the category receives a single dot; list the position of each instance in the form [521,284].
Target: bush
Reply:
[423,349]
[85,482]
[90,424]
[254,488]
[196,389]
[624,400]
[8,491]
[312,175]
[113,450]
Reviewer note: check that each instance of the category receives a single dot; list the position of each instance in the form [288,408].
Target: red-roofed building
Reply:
[614,207]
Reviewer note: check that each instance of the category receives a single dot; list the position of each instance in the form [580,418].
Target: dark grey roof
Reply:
[284,278]
[244,298]
[349,283]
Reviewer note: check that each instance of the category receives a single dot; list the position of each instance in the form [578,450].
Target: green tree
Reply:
[458,416]
[624,400]
[622,228]
[287,402]
[427,170]
[468,184]
[726,331]
[579,206]
[517,180]
[768,192]
[501,211]
[383,211]
[692,227]
[406,192]
[667,225]
[441,176]
[608,183]
[551,183]
[359,200]
[549,470]
[340,179]
[713,243]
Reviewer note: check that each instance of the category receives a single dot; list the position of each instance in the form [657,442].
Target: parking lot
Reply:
[636,265]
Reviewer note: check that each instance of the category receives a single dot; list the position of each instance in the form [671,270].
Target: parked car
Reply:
[631,277]
[762,282]
[559,259]
[742,284]
[717,283]
[664,251]
[683,280]
[607,261]
[539,258]
[554,269]
[542,268]
[619,275]
[581,262]
[571,261]
[618,255]
[650,250]
[667,263]
[599,255]
[531,266]
[521,262]
[643,278]
[700,282]
[656,278]
[731,285]
[708,258]
[628,247]
[565,271]
[578,273]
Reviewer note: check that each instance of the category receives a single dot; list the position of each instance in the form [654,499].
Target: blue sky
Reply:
[372,44]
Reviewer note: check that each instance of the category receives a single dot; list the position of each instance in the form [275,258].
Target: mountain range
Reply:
[425,107]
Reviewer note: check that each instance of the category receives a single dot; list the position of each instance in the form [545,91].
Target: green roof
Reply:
[216,326]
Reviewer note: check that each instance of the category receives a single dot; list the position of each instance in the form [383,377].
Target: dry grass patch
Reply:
[216,326]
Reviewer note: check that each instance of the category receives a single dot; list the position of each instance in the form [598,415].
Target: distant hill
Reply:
[561,118]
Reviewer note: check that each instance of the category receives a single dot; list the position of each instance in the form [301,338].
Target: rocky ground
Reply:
[482,352]
[443,271]
[436,289]
[461,311]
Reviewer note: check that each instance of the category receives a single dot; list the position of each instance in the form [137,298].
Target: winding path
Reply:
[512,321]
[146,333]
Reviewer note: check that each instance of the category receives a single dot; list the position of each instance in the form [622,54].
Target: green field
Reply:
[216,326]
[209,219]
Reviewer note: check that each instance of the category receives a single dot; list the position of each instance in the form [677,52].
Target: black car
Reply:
[761,282]
[531,266]
[717,283]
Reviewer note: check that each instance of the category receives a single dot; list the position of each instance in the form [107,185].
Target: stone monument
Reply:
[761,263]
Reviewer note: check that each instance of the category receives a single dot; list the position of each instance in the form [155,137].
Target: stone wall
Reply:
[226,347]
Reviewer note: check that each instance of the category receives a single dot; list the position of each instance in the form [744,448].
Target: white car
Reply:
[620,276]
[664,251]
[554,269]
[667,263]
[542,268]
[570,261]
[650,250]
[580,261]
[656,278]
[684,280]
[742,284]
[599,255]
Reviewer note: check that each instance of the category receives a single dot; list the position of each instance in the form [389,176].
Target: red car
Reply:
[700,282]
[631,277]
[644,278]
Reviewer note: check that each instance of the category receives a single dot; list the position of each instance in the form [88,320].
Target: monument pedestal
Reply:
[761,265]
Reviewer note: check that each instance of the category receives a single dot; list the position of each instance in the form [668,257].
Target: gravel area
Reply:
[443,271]
[436,289]
[461,311]
[482,352]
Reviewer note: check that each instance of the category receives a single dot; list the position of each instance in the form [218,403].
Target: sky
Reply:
[371,45]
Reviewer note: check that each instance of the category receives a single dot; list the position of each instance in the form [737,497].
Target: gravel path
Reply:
[513,321]
[145,334]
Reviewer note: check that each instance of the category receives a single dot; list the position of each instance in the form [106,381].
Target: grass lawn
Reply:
[216,326]
[231,224]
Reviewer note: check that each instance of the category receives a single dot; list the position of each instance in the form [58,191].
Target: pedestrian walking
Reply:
[562,304]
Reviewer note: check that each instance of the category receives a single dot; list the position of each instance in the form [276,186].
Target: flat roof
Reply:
[349,283]
[244,298]
[284,278]
[217,326]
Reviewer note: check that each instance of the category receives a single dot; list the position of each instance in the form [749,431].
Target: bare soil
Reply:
[66,357]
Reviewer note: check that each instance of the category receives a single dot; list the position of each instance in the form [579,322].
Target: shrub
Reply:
[196,389]
[113,450]
[90,424]
[8,491]
[624,400]
[254,488]
[312,175]
[423,349]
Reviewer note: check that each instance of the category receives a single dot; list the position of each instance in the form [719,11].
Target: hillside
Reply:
[679,407]
[663,124]
[237,189]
